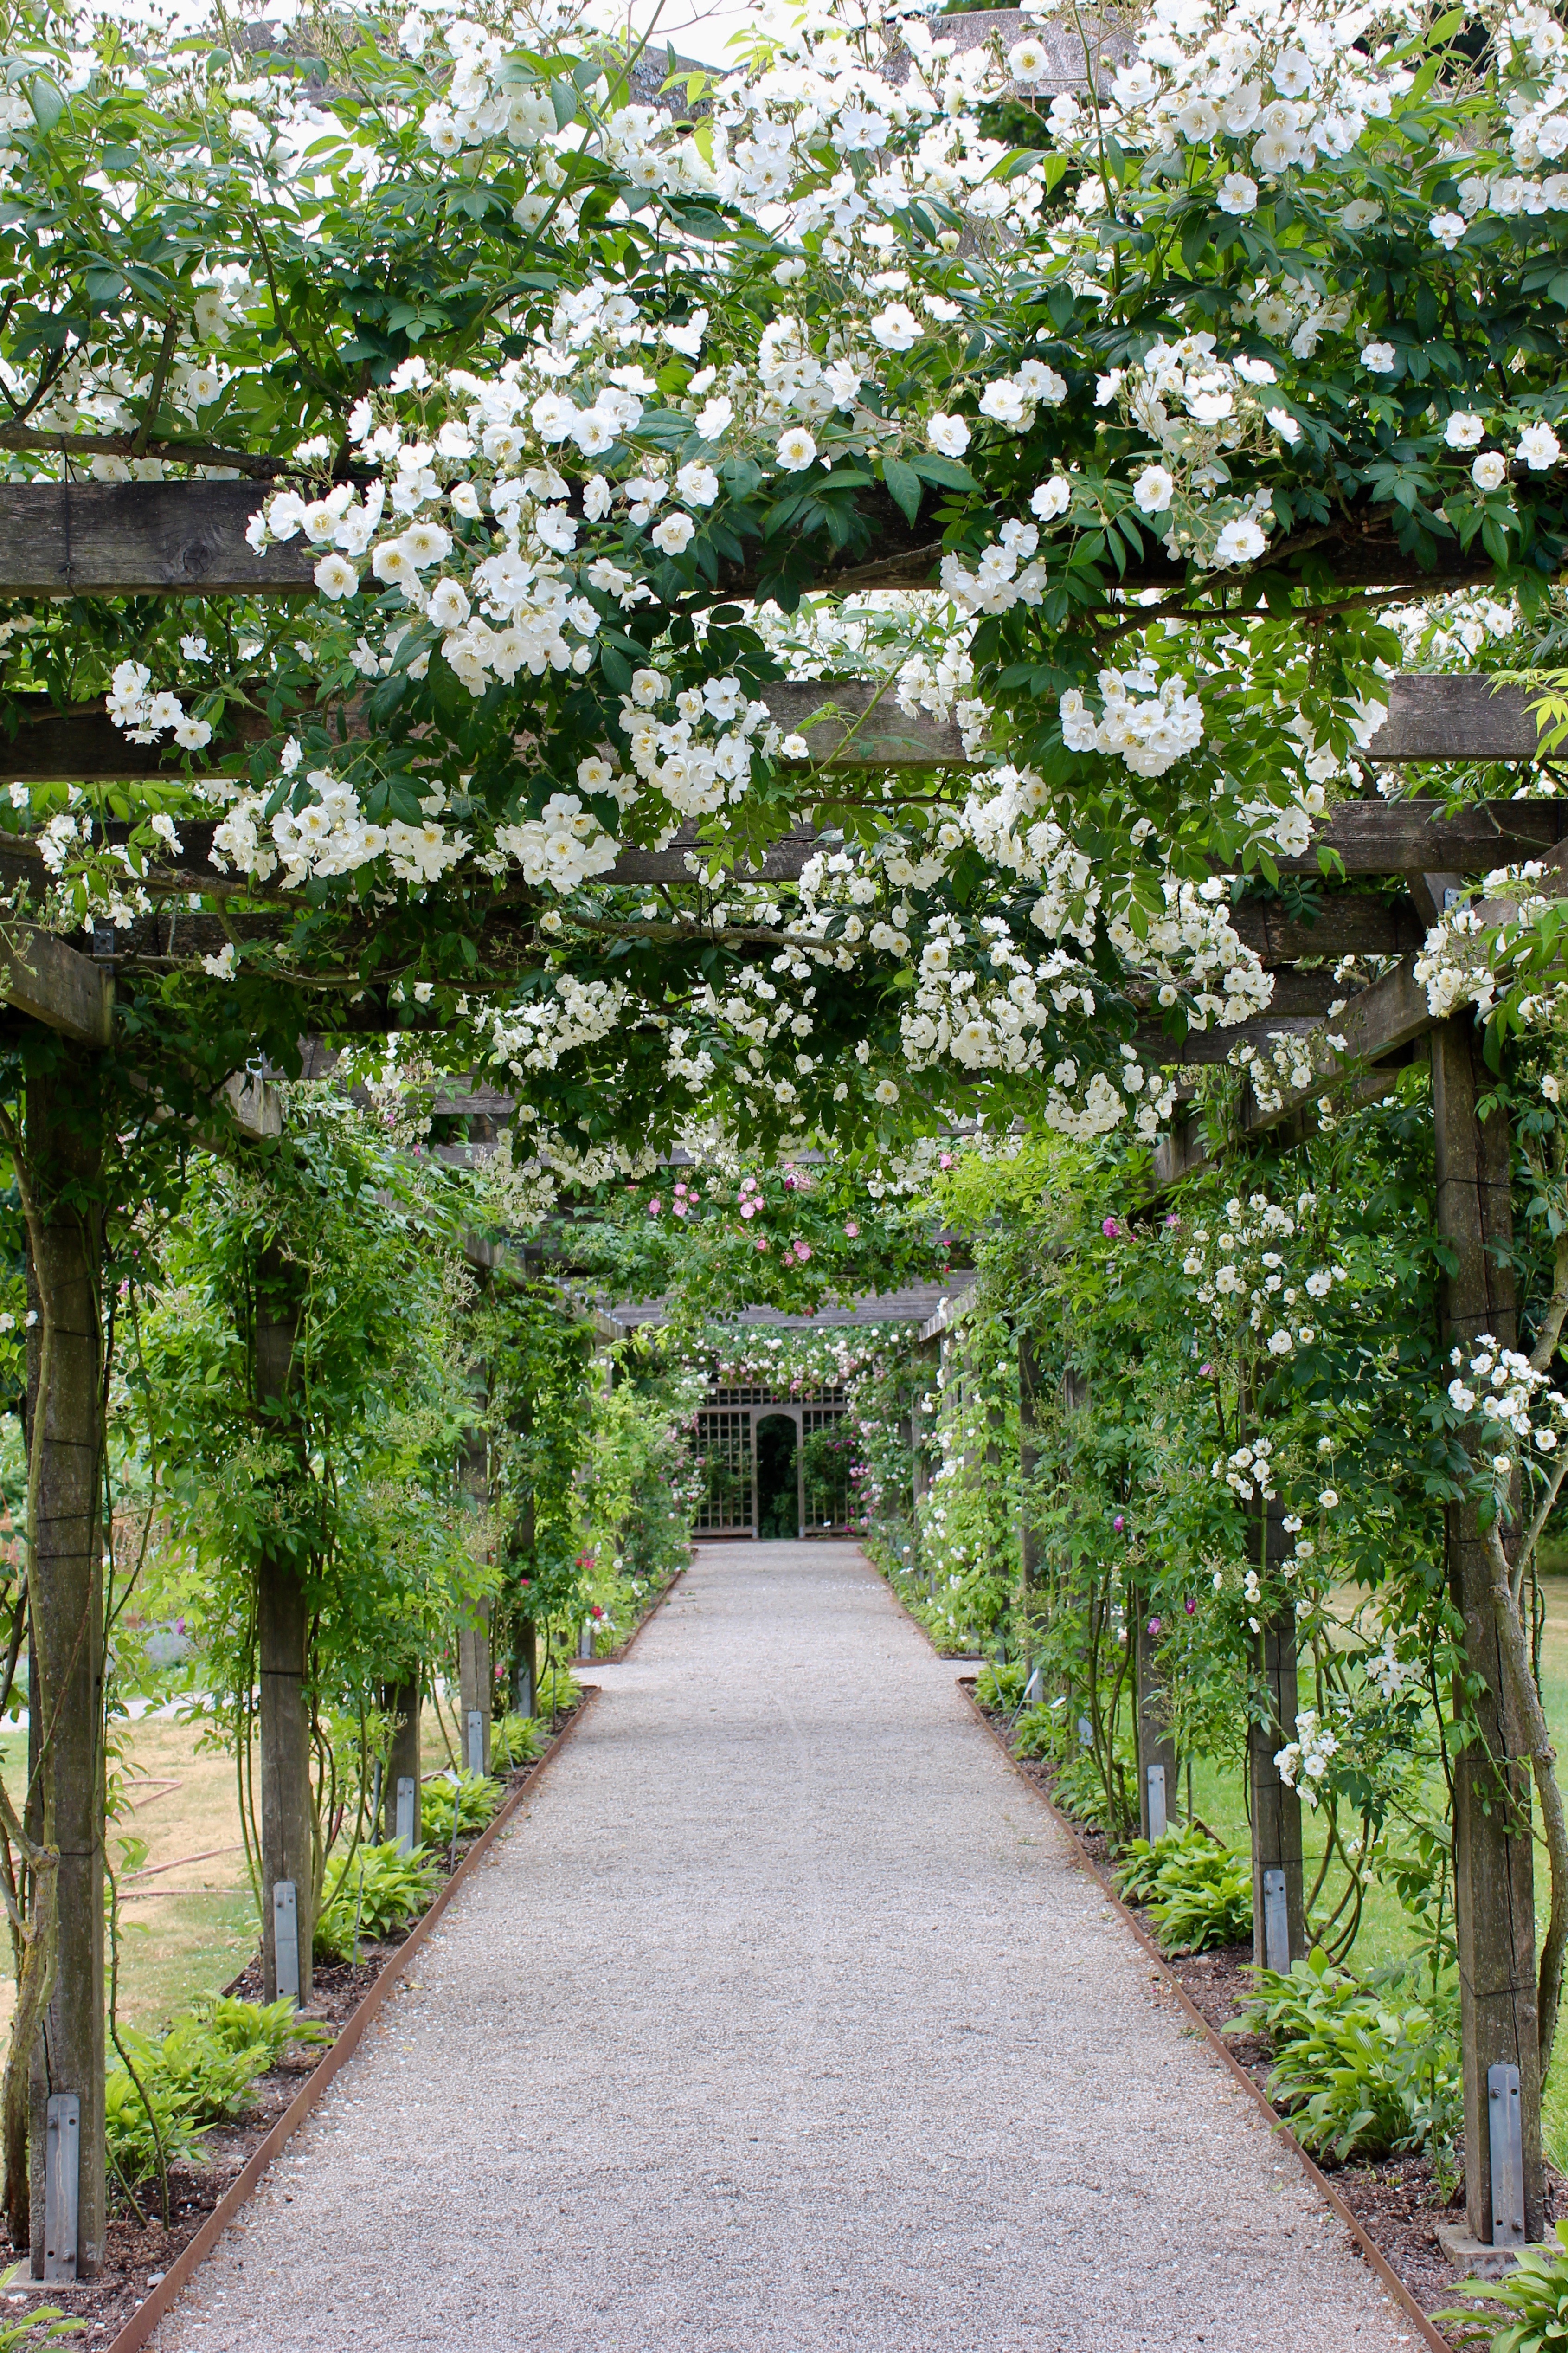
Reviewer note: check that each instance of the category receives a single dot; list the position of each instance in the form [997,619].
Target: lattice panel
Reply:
[724,1448]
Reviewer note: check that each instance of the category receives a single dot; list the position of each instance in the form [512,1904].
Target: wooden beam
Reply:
[1204,1048]
[125,539]
[848,723]
[1470,717]
[56,984]
[1423,837]
[130,539]
[1341,923]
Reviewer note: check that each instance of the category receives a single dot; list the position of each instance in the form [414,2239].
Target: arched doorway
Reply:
[778,1486]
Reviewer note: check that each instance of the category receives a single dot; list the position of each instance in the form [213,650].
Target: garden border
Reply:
[156,2306]
[613,1657]
[1320,2182]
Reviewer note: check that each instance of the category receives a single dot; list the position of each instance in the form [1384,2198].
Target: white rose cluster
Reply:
[144,715]
[1505,1393]
[1252,1291]
[700,757]
[1303,1763]
[1146,721]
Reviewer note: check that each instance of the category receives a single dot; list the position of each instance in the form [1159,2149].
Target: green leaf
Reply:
[904,484]
[946,471]
[617,669]
[47,100]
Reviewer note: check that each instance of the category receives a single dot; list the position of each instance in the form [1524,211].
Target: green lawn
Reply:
[1384,1936]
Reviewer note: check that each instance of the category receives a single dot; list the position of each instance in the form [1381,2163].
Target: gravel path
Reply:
[785,2021]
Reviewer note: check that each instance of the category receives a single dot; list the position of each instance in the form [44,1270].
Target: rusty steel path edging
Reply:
[160,2303]
[1367,2246]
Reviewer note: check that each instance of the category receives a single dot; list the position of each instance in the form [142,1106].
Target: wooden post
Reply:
[1276,1808]
[476,1676]
[283,1633]
[402,1703]
[1032,1551]
[1156,1742]
[65,1158]
[1493,1875]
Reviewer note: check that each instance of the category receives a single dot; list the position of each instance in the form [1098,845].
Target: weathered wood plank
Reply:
[1463,718]
[52,983]
[849,722]
[1422,836]
[126,539]
[1204,1048]
[119,539]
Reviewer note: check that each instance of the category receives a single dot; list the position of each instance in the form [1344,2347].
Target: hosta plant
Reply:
[473,1796]
[1531,2301]
[1199,1894]
[1358,2074]
[378,1892]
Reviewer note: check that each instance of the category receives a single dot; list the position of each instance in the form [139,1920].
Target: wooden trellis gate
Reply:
[182,539]
[726,1443]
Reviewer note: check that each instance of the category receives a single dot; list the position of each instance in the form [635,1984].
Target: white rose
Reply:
[1463,430]
[336,577]
[1003,402]
[674,533]
[1538,448]
[1379,359]
[1489,471]
[1154,489]
[897,329]
[796,450]
[948,435]
[1238,195]
[696,483]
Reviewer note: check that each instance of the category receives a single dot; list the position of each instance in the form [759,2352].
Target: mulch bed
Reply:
[1397,2200]
[135,2257]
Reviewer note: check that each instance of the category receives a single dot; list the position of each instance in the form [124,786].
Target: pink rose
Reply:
[1110,1228]
[852,1230]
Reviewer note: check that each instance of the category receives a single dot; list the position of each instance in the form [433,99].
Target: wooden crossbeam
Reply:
[1377,1023]
[174,539]
[849,723]
[56,984]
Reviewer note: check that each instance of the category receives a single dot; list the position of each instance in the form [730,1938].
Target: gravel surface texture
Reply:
[785,2021]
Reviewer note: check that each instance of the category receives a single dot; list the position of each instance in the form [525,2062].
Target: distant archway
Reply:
[778,1483]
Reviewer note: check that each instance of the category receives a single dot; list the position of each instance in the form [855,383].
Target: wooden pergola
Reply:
[188,538]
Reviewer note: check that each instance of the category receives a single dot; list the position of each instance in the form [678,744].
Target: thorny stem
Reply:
[1526,1700]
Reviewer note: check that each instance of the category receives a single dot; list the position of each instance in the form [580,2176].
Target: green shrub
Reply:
[268,2027]
[1141,1863]
[1038,1732]
[1357,2074]
[475,1795]
[197,2073]
[558,1692]
[42,2325]
[128,2137]
[380,1892]
[515,1740]
[1199,1894]
[1001,1688]
[1533,2298]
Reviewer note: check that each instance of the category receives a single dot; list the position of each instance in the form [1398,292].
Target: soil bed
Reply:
[1397,2200]
[136,2258]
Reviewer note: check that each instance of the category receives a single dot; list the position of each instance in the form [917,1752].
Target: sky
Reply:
[696,30]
